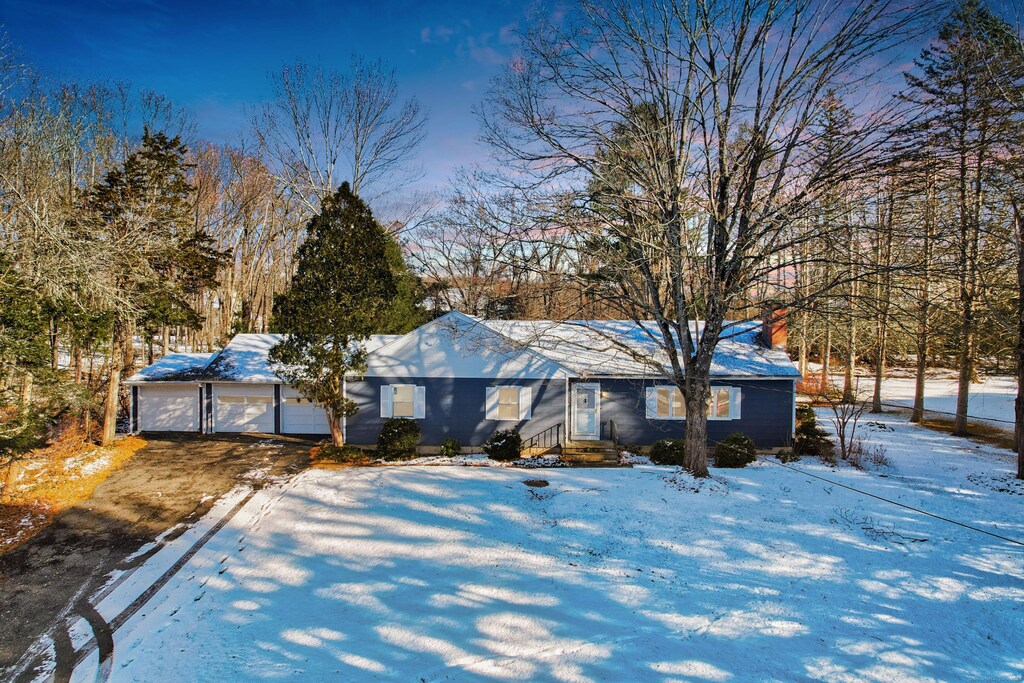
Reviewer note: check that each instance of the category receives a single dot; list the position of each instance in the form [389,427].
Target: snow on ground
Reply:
[465,573]
[481,460]
[989,400]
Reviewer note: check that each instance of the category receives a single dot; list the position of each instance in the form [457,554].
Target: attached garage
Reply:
[300,415]
[242,408]
[168,408]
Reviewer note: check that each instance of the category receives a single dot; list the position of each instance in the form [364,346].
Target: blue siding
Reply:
[766,412]
[455,408]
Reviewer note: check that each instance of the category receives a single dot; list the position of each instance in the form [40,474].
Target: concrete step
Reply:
[589,444]
[588,456]
[606,457]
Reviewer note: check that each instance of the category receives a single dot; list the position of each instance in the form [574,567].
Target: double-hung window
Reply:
[720,404]
[403,400]
[511,403]
[666,403]
[724,403]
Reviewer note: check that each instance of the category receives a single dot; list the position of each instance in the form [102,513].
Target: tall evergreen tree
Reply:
[406,311]
[23,348]
[155,254]
[343,286]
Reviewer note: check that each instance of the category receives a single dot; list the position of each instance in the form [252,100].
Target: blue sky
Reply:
[214,57]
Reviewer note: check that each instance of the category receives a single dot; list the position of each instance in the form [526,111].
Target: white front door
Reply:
[586,412]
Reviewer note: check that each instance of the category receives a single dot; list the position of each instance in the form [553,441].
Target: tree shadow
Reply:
[437,573]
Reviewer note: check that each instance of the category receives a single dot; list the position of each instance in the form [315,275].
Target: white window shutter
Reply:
[525,403]
[386,393]
[652,403]
[419,408]
[734,403]
[492,403]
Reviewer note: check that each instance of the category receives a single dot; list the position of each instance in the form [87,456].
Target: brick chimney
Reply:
[773,327]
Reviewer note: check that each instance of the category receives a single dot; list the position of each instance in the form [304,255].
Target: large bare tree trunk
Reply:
[113,386]
[696,441]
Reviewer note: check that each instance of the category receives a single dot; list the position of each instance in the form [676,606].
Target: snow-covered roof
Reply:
[245,359]
[458,345]
[174,367]
[624,348]
[375,341]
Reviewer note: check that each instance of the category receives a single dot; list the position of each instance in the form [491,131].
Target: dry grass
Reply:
[977,431]
[51,479]
[318,458]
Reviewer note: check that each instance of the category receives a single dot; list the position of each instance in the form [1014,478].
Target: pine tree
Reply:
[406,311]
[23,347]
[156,256]
[343,285]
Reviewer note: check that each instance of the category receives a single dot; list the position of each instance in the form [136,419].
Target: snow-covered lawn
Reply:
[989,400]
[464,573]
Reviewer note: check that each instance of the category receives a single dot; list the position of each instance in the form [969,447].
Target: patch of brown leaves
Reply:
[49,480]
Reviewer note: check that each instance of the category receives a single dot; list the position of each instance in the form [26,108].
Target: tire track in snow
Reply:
[103,631]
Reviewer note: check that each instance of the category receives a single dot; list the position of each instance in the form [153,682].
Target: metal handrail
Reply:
[611,431]
[549,438]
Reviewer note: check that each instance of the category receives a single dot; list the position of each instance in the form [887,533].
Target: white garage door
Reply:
[300,415]
[169,408]
[239,408]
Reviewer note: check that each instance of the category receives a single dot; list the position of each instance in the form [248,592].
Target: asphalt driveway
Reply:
[169,484]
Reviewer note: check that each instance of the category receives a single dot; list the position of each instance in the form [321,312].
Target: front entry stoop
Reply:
[591,454]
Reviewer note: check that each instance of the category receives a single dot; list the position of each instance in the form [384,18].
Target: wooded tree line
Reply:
[124,237]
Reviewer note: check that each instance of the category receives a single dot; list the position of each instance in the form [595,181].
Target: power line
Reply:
[893,502]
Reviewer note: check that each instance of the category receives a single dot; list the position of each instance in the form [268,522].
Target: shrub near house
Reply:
[398,439]
[735,450]
[505,444]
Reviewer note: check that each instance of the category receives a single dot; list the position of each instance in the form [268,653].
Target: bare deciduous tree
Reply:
[688,132]
[324,126]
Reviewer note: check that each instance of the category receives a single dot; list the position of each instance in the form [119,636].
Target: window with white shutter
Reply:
[508,403]
[403,400]
[665,403]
